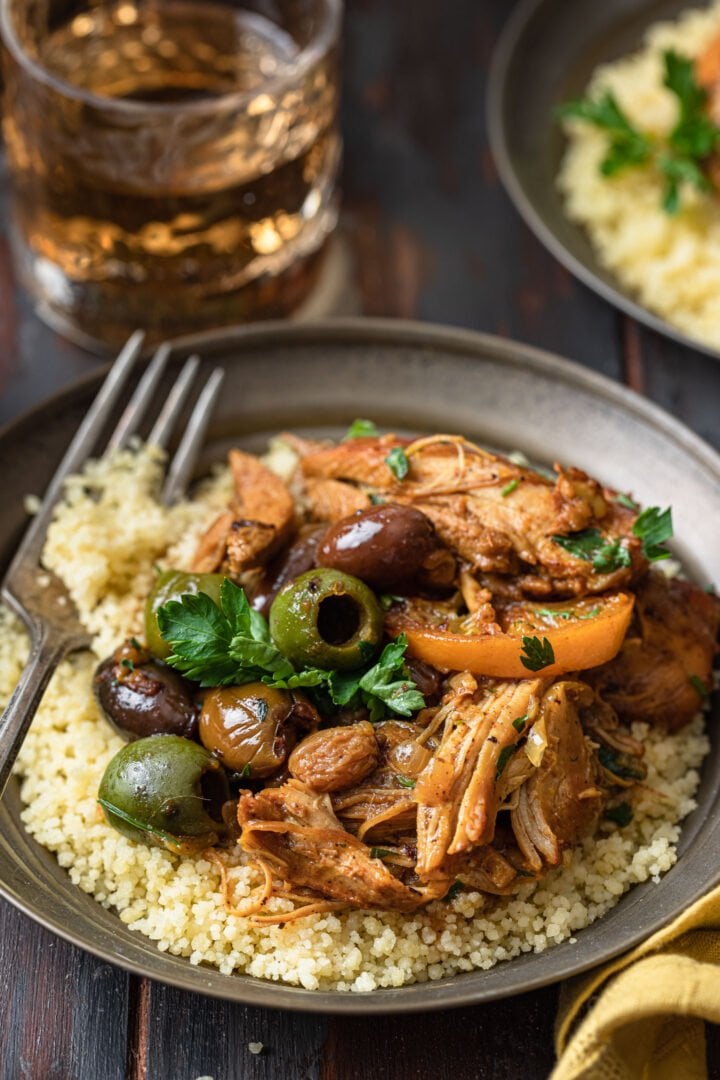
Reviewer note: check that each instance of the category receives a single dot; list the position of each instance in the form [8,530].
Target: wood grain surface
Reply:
[433,236]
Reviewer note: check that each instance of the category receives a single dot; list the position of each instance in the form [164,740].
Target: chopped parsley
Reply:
[591,546]
[503,757]
[627,502]
[406,781]
[135,643]
[653,527]
[509,488]
[621,765]
[455,888]
[376,500]
[699,686]
[245,771]
[361,429]
[127,664]
[379,852]
[398,463]
[537,654]
[680,156]
[551,613]
[388,599]
[520,723]
[621,814]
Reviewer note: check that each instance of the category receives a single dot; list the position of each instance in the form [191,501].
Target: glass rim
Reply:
[316,48]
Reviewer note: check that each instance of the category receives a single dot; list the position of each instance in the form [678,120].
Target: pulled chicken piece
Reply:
[295,830]
[260,519]
[500,518]
[461,789]
[666,660]
[563,798]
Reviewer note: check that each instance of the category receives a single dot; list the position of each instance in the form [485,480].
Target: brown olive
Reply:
[384,546]
[141,696]
[293,562]
[250,727]
[336,758]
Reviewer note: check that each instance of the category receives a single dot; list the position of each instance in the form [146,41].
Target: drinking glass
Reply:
[173,162]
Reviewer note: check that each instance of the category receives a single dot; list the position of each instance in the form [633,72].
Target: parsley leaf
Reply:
[537,655]
[398,463]
[699,687]
[520,723]
[455,888]
[654,527]
[385,686]
[628,146]
[503,757]
[621,814]
[406,781]
[626,501]
[591,546]
[511,486]
[361,429]
[379,852]
[622,765]
[218,646]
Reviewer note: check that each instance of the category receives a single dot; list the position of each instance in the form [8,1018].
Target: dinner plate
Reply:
[545,56]
[316,379]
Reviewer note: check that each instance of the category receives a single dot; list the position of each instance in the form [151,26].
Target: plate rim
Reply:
[452,991]
[503,55]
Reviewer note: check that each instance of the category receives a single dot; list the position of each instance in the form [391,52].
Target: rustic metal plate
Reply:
[545,56]
[318,378]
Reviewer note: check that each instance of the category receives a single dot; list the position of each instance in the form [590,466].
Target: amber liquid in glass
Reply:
[172,220]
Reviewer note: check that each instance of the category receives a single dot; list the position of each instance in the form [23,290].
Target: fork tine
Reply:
[83,443]
[170,413]
[186,454]
[140,402]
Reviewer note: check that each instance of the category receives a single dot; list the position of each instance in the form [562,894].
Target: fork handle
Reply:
[46,653]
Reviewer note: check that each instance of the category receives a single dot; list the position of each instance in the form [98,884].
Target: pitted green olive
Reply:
[327,619]
[171,585]
[165,791]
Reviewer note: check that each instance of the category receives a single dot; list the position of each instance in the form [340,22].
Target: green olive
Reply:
[327,619]
[165,791]
[171,585]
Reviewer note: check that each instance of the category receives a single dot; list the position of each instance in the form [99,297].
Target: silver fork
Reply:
[37,595]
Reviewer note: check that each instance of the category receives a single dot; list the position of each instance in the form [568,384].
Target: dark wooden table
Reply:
[434,237]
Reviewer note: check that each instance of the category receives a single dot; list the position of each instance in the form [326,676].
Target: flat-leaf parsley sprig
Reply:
[680,156]
[230,644]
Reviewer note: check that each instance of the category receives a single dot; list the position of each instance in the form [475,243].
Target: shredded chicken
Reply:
[463,490]
[296,831]
[260,520]
[664,668]
[563,798]
[459,792]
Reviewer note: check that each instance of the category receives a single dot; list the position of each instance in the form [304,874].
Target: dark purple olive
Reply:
[287,566]
[384,547]
[141,696]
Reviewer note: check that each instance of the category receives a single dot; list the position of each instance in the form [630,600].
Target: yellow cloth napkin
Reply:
[648,1022]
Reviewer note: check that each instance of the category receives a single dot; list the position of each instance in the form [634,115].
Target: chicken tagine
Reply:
[410,669]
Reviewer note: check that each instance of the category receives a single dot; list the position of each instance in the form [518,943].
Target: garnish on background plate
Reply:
[680,157]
